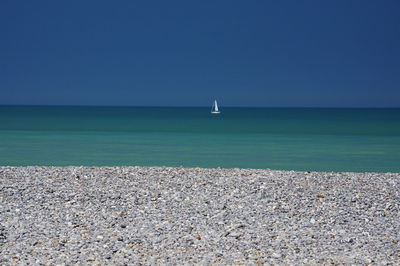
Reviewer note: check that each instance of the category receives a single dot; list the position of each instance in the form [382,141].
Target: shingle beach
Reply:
[164,216]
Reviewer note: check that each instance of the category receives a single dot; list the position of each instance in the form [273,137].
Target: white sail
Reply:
[214,109]
[215,106]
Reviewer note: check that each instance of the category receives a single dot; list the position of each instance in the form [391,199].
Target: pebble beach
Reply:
[174,216]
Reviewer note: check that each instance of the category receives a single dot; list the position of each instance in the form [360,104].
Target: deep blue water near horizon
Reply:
[306,139]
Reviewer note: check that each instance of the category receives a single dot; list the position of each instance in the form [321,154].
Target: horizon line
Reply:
[194,106]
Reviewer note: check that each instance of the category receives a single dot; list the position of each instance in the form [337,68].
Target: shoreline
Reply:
[197,168]
[175,215]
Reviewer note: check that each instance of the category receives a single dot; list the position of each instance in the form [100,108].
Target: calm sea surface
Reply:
[277,138]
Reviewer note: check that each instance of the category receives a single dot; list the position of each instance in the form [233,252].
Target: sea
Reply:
[305,139]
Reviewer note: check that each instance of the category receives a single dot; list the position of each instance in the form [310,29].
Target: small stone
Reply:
[276,255]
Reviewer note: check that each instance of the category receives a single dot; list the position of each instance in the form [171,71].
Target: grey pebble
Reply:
[174,216]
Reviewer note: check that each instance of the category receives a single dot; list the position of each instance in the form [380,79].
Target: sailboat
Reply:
[214,108]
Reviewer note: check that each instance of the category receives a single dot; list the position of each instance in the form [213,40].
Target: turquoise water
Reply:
[277,138]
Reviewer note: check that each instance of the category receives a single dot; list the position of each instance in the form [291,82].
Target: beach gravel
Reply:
[174,216]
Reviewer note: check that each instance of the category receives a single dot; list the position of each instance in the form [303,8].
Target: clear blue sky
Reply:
[186,53]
